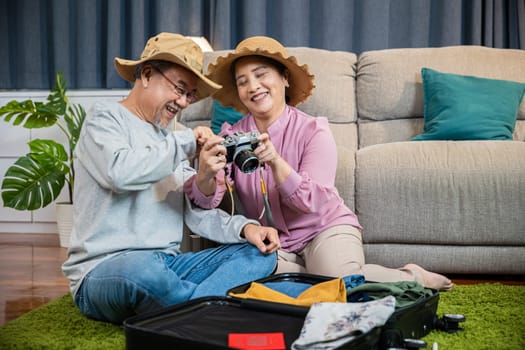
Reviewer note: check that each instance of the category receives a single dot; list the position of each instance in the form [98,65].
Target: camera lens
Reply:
[247,161]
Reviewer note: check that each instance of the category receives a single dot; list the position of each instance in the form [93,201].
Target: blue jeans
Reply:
[141,281]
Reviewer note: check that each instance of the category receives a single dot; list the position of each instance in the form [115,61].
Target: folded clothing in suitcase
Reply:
[416,306]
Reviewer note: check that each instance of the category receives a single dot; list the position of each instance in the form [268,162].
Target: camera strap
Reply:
[267,209]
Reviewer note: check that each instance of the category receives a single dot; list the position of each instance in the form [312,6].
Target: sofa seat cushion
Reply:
[442,192]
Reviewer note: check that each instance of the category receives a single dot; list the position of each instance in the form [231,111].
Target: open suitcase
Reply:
[225,322]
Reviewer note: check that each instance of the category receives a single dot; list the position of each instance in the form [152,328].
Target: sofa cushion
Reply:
[442,192]
[389,85]
[460,107]
[334,94]
[345,136]
[221,115]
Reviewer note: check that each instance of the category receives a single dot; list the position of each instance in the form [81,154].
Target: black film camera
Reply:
[239,150]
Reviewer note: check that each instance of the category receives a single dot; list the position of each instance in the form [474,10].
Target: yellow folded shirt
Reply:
[330,291]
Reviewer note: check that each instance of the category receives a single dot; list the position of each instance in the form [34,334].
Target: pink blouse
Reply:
[307,203]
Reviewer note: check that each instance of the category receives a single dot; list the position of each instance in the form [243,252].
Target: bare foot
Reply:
[430,279]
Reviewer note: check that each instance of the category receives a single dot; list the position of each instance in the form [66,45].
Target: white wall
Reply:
[13,143]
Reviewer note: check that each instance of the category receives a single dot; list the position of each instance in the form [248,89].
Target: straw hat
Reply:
[300,79]
[173,48]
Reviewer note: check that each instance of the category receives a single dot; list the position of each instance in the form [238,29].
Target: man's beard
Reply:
[171,124]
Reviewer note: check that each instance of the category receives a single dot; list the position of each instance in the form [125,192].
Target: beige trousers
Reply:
[338,252]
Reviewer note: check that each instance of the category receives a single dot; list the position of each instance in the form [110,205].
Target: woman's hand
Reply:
[265,238]
[268,155]
[212,158]
[265,151]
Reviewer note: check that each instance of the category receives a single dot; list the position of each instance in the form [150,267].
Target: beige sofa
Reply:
[450,206]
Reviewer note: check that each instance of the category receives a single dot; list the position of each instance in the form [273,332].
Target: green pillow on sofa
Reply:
[221,114]
[460,107]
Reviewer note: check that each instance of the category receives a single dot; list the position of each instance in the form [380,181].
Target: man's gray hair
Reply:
[156,64]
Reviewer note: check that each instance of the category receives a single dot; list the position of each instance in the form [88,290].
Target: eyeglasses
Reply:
[179,90]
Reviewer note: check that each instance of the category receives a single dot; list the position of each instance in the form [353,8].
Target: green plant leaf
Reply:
[48,165]
[57,99]
[29,185]
[33,115]
[49,151]
[74,119]
[29,114]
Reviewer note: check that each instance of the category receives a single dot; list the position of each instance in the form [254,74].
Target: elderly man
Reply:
[124,256]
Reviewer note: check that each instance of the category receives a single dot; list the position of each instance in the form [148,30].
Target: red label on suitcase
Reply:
[256,341]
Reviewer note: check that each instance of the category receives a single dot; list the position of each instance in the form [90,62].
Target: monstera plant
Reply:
[37,178]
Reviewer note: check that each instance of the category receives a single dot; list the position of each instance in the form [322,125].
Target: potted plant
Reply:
[36,179]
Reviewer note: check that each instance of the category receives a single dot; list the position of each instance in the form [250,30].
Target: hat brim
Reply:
[205,86]
[300,79]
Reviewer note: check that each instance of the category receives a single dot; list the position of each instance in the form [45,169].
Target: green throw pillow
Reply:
[460,107]
[221,114]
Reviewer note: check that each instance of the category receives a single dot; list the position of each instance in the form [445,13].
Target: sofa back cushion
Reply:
[333,97]
[390,93]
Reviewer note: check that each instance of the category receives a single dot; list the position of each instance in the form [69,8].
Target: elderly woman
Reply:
[318,233]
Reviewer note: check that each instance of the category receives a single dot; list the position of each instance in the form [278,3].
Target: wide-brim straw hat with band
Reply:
[173,48]
[300,79]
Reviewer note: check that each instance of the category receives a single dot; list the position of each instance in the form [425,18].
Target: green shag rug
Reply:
[494,320]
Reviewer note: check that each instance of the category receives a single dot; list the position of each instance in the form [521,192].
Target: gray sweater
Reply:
[128,192]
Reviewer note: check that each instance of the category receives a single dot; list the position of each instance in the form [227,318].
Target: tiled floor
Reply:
[30,274]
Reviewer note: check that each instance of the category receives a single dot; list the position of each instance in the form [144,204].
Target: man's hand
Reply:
[212,159]
[265,238]
[202,134]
